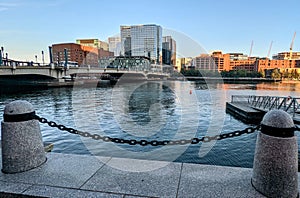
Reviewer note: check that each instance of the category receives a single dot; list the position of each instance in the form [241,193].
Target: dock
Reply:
[243,111]
[68,175]
[251,109]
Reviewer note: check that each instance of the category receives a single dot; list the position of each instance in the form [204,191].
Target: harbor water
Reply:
[153,110]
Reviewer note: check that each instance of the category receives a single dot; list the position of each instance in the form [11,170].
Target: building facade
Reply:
[217,61]
[74,53]
[114,45]
[205,62]
[96,43]
[168,50]
[82,54]
[267,64]
[184,63]
[142,40]
[287,56]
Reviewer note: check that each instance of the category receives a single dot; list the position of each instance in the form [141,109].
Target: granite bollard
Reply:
[22,145]
[275,168]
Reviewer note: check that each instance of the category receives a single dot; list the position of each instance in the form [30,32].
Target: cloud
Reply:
[5,6]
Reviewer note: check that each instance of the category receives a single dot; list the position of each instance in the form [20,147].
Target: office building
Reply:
[185,63]
[142,40]
[96,43]
[205,62]
[114,45]
[168,50]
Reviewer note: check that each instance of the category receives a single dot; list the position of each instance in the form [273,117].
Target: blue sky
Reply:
[29,26]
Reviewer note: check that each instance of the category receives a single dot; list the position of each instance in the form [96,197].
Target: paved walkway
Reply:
[65,175]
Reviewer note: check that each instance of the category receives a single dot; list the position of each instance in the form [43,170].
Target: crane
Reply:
[270,49]
[291,46]
[251,49]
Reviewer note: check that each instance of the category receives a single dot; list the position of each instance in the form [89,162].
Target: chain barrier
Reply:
[146,142]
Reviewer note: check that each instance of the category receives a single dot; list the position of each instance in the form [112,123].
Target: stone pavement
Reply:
[65,175]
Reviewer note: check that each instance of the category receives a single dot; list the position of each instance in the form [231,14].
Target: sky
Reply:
[28,27]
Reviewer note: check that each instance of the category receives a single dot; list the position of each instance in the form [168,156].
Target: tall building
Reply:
[125,32]
[114,45]
[142,40]
[168,50]
[93,43]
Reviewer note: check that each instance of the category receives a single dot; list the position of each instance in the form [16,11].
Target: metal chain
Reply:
[146,142]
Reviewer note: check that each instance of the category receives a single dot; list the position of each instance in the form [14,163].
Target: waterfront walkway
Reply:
[65,175]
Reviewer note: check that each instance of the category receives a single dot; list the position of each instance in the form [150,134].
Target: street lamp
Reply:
[1,58]
[43,60]
[36,58]
[6,54]
[2,49]
[58,59]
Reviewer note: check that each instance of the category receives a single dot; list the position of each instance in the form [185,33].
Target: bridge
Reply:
[251,108]
[60,73]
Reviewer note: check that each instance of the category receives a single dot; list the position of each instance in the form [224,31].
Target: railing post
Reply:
[22,145]
[275,168]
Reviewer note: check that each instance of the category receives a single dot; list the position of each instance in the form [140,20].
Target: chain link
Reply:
[146,142]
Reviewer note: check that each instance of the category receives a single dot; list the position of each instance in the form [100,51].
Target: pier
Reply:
[251,109]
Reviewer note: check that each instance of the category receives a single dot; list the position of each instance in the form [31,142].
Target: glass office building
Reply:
[142,40]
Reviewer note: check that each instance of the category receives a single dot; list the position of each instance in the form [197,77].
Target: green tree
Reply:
[262,73]
[294,74]
[276,74]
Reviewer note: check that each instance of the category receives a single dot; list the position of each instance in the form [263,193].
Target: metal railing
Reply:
[288,104]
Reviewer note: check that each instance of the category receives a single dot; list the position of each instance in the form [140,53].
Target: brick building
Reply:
[224,62]
[75,52]
[267,64]
[82,54]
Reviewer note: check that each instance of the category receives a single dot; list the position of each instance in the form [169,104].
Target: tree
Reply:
[294,74]
[275,74]
[262,73]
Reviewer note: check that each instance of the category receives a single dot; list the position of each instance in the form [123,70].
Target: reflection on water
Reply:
[152,111]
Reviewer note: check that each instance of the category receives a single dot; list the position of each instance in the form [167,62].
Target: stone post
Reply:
[275,168]
[22,145]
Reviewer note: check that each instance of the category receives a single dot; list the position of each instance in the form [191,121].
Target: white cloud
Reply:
[7,5]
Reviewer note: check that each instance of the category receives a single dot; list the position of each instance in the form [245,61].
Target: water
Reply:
[152,111]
